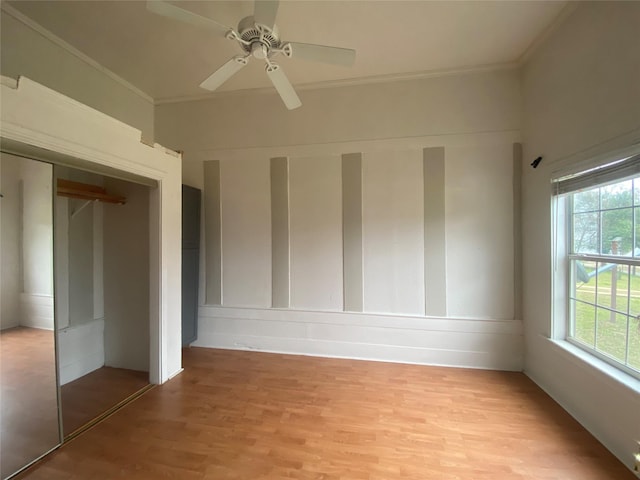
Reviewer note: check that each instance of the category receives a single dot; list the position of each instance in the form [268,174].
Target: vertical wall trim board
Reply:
[280,251]
[98,261]
[517,230]
[435,263]
[352,231]
[213,232]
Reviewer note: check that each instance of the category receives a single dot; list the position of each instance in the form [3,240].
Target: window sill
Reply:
[580,357]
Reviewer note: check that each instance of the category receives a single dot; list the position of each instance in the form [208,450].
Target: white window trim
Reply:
[582,357]
[560,286]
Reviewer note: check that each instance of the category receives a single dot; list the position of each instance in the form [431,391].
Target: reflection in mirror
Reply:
[29,413]
[102,293]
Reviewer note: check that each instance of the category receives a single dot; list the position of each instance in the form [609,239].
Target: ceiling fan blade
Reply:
[265,11]
[224,73]
[171,11]
[283,86]
[322,53]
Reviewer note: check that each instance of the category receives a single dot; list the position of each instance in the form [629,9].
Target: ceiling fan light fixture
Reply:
[259,51]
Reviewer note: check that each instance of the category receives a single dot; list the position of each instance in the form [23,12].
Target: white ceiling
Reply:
[167,59]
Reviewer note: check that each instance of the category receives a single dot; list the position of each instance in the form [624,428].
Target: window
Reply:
[600,228]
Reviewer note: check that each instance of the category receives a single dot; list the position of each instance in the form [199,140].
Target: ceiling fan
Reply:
[258,37]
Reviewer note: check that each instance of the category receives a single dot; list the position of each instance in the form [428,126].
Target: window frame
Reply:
[564,258]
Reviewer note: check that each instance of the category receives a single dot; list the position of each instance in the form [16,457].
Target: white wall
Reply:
[482,102]
[27,49]
[37,228]
[582,98]
[83,240]
[27,243]
[10,256]
[246,247]
[126,277]
[474,117]
[479,230]
[392,230]
[79,279]
[315,233]
[80,350]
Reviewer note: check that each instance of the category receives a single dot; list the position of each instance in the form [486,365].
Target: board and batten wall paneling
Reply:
[472,343]
[212,235]
[315,188]
[246,233]
[280,252]
[393,232]
[517,230]
[352,231]
[435,248]
[479,231]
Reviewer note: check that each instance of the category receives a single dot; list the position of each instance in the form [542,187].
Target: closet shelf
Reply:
[84,191]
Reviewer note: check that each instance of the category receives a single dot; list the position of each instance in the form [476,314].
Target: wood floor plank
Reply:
[248,415]
[28,397]
[89,396]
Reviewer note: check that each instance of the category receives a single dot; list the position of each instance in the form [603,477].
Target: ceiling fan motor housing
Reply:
[259,38]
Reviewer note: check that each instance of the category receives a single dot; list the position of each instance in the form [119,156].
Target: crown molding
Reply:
[36,27]
[537,42]
[348,82]
[567,10]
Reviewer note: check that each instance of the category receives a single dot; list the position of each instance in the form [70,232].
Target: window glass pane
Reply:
[620,286]
[587,200]
[634,343]
[584,325]
[611,337]
[617,195]
[585,233]
[602,279]
[636,250]
[613,286]
[604,297]
[584,285]
[634,292]
[617,231]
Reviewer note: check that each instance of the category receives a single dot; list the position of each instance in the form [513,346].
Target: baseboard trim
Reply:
[36,311]
[469,343]
[81,350]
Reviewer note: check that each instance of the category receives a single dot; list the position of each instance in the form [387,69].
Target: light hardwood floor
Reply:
[248,415]
[28,397]
[90,395]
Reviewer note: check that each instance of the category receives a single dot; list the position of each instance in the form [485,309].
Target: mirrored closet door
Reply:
[101,242]
[59,377]
[29,418]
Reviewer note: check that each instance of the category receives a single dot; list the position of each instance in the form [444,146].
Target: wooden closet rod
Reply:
[84,191]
